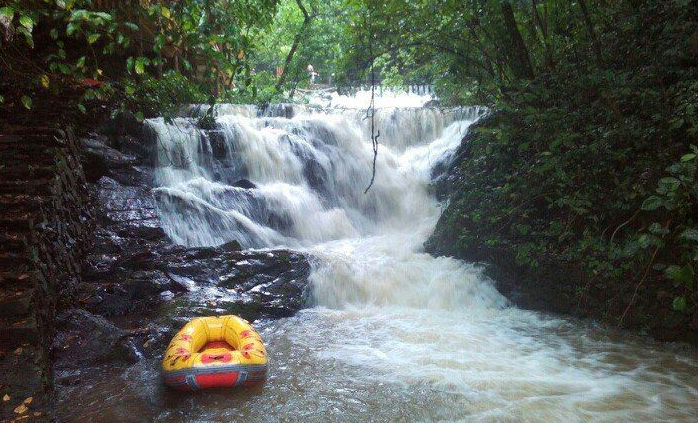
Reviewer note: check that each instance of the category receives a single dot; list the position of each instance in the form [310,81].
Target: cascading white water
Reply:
[309,173]
[397,335]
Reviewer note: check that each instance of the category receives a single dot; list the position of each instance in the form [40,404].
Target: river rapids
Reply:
[394,334]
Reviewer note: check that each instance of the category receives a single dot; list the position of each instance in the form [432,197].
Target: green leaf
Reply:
[659,266]
[139,116]
[103,15]
[79,14]
[71,28]
[44,81]
[92,38]
[657,229]
[690,234]
[27,35]
[54,33]
[651,203]
[679,304]
[140,65]
[26,22]
[681,275]
[671,184]
[7,12]
[676,123]
[81,62]
[82,108]
[27,102]
[688,157]
[165,12]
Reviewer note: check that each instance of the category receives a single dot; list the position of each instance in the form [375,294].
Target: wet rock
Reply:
[230,246]
[136,147]
[99,159]
[181,283]
[167,295]
[245,183]
[445,174]
[124,123]
[222,223]
[274,282]
[85,339]
[286,110]
[219,147]
[69,377]
[127,204]
[134,274]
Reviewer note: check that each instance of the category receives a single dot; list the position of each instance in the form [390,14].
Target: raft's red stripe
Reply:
[215,380]
[217,344]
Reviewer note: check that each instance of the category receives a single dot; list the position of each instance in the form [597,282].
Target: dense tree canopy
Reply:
[60,46]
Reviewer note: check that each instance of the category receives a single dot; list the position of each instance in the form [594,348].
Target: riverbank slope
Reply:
[580,188]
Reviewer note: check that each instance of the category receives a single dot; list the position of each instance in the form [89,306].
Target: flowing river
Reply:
[395,335]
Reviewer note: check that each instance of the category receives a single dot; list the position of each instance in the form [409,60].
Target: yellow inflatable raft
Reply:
[212,352]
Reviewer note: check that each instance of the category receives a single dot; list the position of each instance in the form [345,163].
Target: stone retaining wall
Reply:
[45,230]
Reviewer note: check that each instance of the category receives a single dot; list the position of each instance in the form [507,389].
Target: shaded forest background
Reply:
[588,158]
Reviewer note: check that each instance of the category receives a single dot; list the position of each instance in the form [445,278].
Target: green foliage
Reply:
[66,47]
[324,44]
[260,90]
[165,96]
[593,162]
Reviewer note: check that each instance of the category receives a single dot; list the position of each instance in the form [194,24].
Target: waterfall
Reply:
[294,176]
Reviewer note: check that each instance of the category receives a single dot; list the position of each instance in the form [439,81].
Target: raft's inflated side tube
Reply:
[211,352]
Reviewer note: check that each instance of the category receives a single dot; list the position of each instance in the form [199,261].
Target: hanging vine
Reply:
[371,111]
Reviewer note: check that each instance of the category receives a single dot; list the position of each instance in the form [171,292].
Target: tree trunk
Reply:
[590,29]
[547,55]
[487,58]
[307,18]
[518,53]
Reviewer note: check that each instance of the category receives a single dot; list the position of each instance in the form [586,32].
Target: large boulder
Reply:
[99,159]
[85,339]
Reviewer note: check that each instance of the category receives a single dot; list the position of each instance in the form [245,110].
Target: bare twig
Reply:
[623,224]
[637,287]
[372,107]
[644,276]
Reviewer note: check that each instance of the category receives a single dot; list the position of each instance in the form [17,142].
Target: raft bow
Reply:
[213,352]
